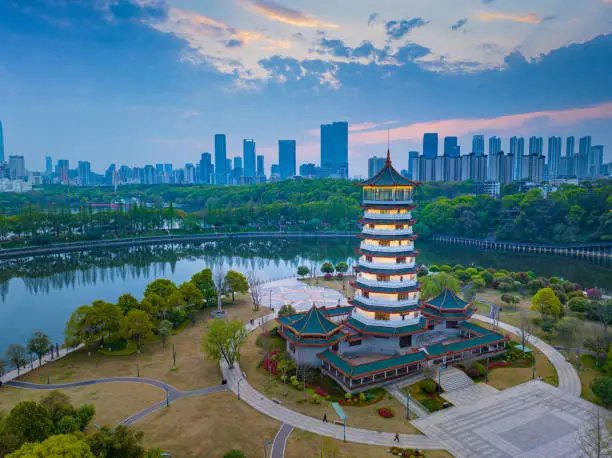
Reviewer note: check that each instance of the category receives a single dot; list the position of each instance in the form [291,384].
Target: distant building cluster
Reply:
[497,167]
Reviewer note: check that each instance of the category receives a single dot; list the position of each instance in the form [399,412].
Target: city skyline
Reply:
[143,80]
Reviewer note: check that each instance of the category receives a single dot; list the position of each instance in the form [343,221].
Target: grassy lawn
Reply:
[431,401]
[339,285]
[302,444]
[506,377]
[494,296]
[208,426]
[588,373]
[366,417]
[194,370]
[113,401]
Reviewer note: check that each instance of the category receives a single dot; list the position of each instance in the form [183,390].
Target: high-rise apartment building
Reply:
[430,145]
[248,152]
[596,159]
[473,167]
[260,166]
[555,145]
[494,145]
[533,168]
[334,149]
[286,158]
[16,165]
[84,173]
[502,167]
[1,144]
[375,165]
[63,171]
[220,159]
[584,145]
[190,174]
[411,156]
[206,173]
[451,147]
[478,145]
[517,149]
[569,146]
[536,145]
[48,165]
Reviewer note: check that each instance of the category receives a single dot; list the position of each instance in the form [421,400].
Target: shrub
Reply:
[315,399]
[431,404]
[348,396]
[471,271]
[235,454]
[602,388]
[328,277]
[578,304]
[445,268]
[362,397]
[463,275]
[594,294]
[423,271]
[339,276]
[429,386]
[434,268]
[458,267]
[386,412]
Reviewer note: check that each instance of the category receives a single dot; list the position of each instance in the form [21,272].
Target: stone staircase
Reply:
[453,379]
[470,395]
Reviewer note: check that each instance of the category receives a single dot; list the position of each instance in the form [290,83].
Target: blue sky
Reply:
[146,81]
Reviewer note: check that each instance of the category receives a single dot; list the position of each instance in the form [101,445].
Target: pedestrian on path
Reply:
[325,418]
[396,438]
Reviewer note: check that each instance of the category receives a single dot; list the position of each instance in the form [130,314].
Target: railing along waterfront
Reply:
[598,250]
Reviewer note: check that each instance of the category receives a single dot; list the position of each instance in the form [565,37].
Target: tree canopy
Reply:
[224,340]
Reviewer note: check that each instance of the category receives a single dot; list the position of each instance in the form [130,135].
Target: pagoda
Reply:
[387,332]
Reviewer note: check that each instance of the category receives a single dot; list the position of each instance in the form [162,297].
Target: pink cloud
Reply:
[461,127]
[498,16]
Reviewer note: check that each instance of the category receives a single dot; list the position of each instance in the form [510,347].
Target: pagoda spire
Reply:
[388,158]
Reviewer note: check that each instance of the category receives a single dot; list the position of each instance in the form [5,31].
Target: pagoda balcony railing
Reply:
[386,284]
[393,323]
[386,303]
[386,265]
[392,216]
[387,249]
[388,202]
[368,230]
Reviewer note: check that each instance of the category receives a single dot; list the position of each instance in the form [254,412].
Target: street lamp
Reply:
[487,371]
[440,369]
[241,379]
[265,448]
[167,395]
[408,405]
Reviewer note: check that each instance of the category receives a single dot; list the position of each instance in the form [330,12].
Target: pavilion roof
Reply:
[313,323]
[357,370]
[388,176]
[447,300]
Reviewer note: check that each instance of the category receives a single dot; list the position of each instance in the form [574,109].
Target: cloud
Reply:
[280,13]
[530,18]
[460,23]
[233,43]
[373,18]
[367,53]
[461,127]
[398,29]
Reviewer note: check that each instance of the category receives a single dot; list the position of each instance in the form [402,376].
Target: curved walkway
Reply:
[569,381]
[174,394]
[280,441]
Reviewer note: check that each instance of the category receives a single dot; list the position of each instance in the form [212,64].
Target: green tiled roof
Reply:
[447,300]
[306,341]
[388,176]
[435,349]
[313,322]
[442,314]
[385,330]
[474,328]
[372,270]
[382,308]
[335,311]
[483,340]
[375,366]
[385,289]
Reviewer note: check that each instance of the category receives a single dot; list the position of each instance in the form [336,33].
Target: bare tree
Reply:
[593,438]
[596,341]
[525,331]
[567,332]
[219,280]
[602,311]
[256,290]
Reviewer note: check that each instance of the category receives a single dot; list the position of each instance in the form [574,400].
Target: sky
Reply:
[149,81]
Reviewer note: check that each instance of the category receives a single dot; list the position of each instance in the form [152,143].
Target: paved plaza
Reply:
[529,420]
[301,296]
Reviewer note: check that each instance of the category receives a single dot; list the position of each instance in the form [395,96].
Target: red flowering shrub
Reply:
[270,363]
[320,391]
[328,277]
[385,412]
[594,294]
[339,276]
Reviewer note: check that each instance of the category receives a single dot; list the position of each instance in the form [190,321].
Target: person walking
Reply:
[325,417]
[396,438]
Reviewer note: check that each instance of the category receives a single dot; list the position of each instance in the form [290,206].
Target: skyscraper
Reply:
[84,170]
[478,145]
[286,158]
[260,166]
[569,146]
[451,148]
[63,169]
[411,157]
[532,168]
[206,168]
[595,159]
[375,164]
[248,152]
[536,145]
[48,165]
[17,170]
[220,159]
[1,143]
[494,145]
[517,149]
[555,144]
[501,167]
[584,146]
[430,145]
[334,148]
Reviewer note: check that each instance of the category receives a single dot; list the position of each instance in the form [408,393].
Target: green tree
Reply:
[192,296]
[161,287]
[203,281]
[602,388]
[163,330]
[546,303]
[29,421]
[120,442]
[16,355]
[286,310]
[236,283]
[39,344]
[224,340]
[60,446]
[432,285]
[342,267]
[478,283]
[58,405]
[327,268]
[127,302]
[302,271]
[136,326]
[234,454]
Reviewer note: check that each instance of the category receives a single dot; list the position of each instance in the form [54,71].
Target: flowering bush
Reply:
[321,392]
[328,277]
[339,276]
[385,412]
[271,362]
[594,294]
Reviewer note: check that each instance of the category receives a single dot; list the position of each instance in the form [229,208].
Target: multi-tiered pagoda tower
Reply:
[387,332]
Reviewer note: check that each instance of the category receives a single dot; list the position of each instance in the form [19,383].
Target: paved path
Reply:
[11,375]
[568,377]
[452,379]
[174,394]
[469,395]
[280,441]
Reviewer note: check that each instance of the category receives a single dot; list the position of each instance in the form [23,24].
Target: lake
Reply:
[40,293]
